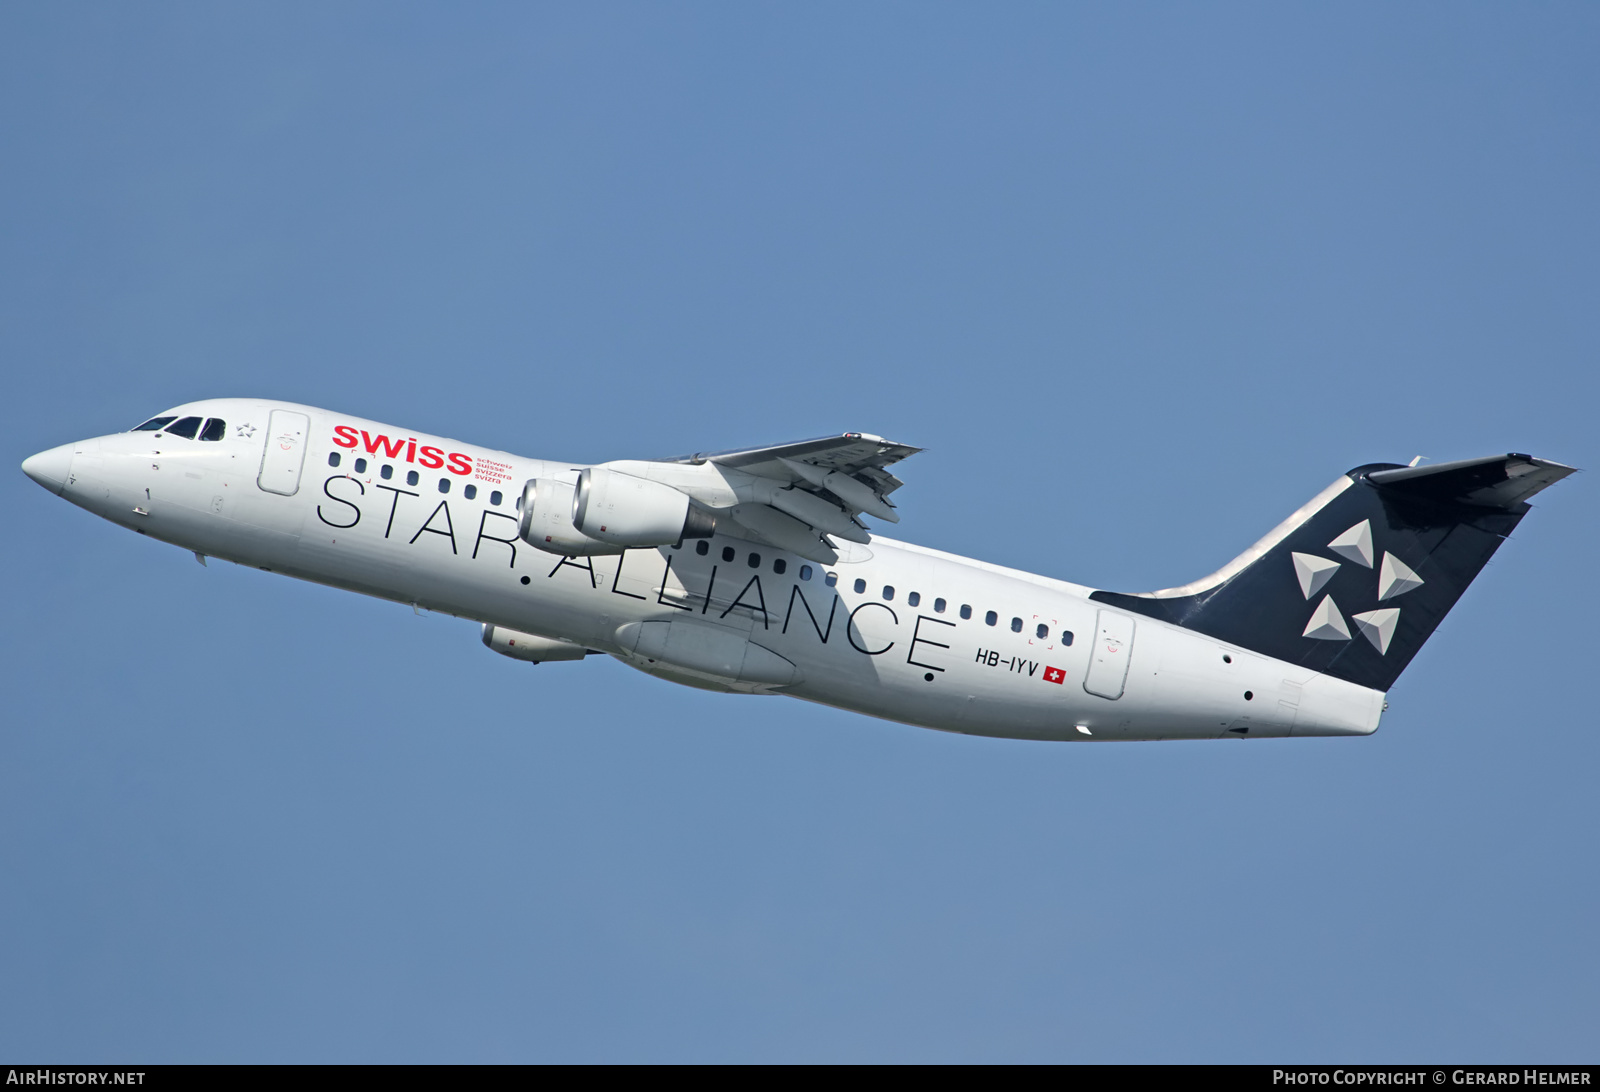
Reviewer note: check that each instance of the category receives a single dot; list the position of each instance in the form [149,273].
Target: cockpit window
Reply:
[215,429]
[185,428]
[155,424]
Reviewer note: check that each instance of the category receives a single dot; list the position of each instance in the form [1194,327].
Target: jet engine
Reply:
[607,512]
[545,521]
[527,646]
[627,511]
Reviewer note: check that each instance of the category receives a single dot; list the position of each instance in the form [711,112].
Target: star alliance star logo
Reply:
[244,432]
[1395,578]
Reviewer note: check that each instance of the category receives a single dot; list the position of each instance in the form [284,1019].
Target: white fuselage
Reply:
[892,630]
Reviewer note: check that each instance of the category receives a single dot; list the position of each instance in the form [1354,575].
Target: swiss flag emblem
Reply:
[1055,675]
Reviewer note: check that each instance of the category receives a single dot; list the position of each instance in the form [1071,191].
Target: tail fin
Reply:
[1354,582]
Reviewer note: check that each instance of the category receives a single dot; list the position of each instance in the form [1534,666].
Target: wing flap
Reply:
[822,485]
[848,453]
[784,532]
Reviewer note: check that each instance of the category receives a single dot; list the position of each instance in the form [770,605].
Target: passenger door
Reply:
[285,452]
[1108,660]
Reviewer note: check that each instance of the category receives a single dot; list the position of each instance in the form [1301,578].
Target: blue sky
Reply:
[1141,278]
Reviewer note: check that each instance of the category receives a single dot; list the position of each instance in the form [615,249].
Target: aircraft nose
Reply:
[50,468]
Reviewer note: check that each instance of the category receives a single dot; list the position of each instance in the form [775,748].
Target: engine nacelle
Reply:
[627,511]
[527,646]
[545,521]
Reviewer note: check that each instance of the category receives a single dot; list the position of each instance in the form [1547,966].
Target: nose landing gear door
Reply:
[1108,660]
[287,432]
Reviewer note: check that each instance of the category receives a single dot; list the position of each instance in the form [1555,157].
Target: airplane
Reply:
[752,571]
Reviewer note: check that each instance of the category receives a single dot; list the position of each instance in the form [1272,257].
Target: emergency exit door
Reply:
[287,432]
[1108,660]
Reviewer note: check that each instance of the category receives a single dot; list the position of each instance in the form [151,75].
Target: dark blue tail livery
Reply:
[1353,583]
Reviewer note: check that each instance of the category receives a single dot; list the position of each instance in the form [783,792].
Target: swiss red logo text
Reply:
[432,457]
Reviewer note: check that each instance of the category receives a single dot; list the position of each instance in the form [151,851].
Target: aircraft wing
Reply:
[815,488]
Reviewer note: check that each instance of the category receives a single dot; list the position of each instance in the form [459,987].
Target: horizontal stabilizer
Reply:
[1498,481]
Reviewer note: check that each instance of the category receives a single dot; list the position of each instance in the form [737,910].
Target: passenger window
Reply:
[1066,637]
[1042,632]
[805,572]
[966,612]
[333,458]
[386,472]
[913,599]
[412,477]
[888,591]
[755,561]
[861,586]
[1016,625]
[186,428]
[779,565]
[833,580]
[991,618]
[727,553]
[444,485]
[215,429]
[938,606]
[361,466]
[155,424]
[496,498]
[470,492]
[702,547]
